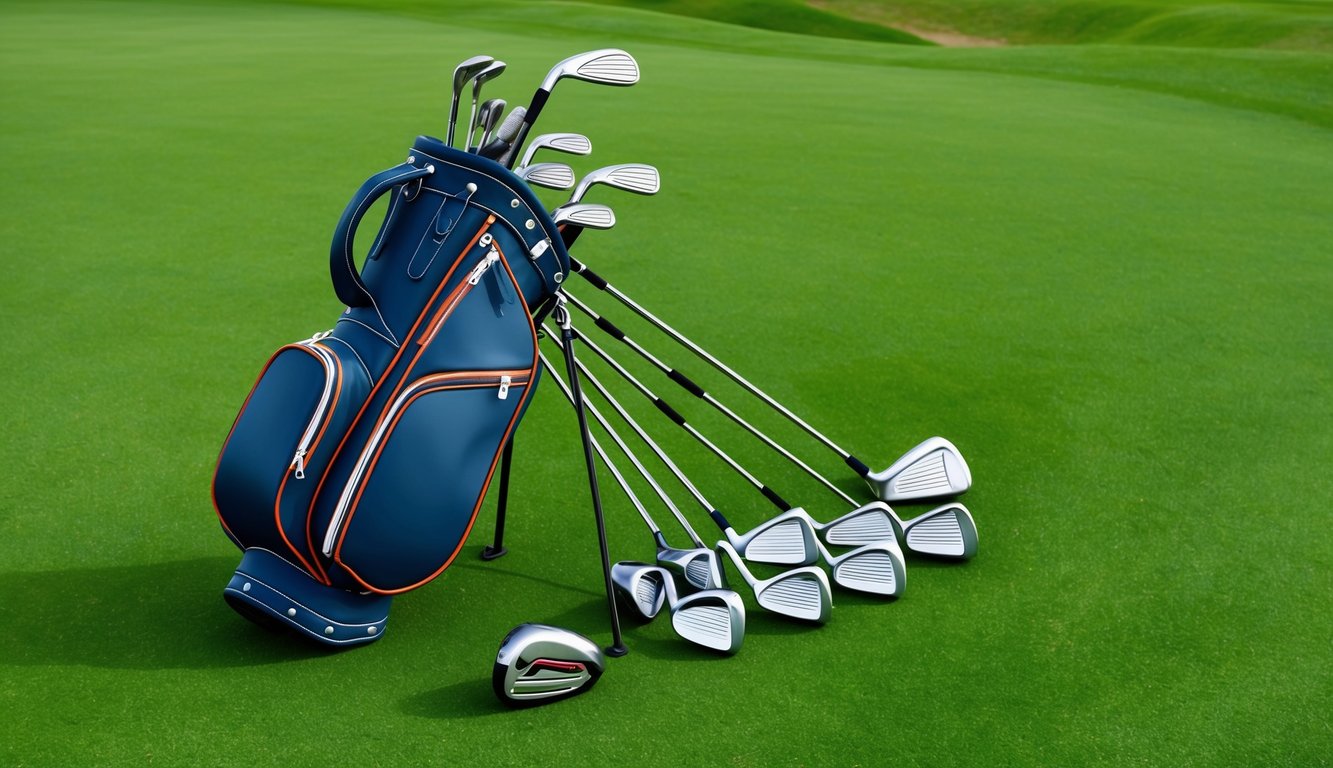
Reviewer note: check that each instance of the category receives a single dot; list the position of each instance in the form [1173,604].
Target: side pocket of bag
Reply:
[280,444]
[412,498]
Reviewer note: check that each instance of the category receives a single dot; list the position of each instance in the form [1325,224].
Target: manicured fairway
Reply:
[1105,272]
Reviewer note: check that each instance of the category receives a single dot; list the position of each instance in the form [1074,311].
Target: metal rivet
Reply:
[430,169]
[245,587]
[514,203]
[328,630]
[291,612]
[471,188]
[530,224]
[372,630]
[411,158]
[558,278]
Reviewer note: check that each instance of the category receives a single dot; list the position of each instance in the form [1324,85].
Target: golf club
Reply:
[608,66]
[938,471]
[569,143]
[489,72]
[488,116]
[548,175]
[465,71]
[539,664]
[712,618]
[504,135]
[585,215]
[801,593]
[785,542]
[946,531]
[876,567]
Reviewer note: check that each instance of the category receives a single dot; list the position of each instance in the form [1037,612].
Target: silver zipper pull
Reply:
[504,388]
[480,269]
[299,463]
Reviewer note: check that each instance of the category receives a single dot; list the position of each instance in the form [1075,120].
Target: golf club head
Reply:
[876,569]
[699,567]
[465,71]
[607,66]
[569,143]
[801,593]
[871,523]
[631,177]
[549,175]
[932,469]
[586,215]
[639,587]
[712,618]
[488,72]
[786,539]
[945,531]
[488,115]
[539,664]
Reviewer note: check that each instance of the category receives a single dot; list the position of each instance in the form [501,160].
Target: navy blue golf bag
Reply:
[361,457]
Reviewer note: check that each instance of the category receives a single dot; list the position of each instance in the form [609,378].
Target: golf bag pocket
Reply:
[281,443]
[418,483]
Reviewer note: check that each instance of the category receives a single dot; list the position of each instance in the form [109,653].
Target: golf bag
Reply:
[358,463]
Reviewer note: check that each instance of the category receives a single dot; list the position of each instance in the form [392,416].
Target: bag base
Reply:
[279,596]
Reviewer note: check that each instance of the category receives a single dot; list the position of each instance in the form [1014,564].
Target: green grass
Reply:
[1103,270]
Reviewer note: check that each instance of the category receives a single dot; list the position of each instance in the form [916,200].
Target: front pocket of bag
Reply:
[411,500]
[281,441]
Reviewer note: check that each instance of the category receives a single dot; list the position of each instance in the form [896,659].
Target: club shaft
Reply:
[571,372]
[652,445]
[689,386]
[601,284]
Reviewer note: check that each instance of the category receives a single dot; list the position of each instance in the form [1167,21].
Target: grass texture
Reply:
[1102,270]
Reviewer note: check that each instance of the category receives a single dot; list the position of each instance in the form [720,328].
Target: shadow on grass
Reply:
[157,616]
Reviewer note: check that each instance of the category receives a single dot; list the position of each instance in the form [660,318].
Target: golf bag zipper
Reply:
[330,363]
[459,293]
[501,380]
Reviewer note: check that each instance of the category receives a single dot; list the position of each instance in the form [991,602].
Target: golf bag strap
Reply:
[347,283]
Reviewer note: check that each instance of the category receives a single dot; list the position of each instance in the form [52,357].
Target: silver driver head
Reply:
[539,663]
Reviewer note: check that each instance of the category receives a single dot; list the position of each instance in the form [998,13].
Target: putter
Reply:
[539,664]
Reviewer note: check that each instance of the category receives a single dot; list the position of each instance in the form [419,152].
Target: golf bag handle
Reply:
[347,283]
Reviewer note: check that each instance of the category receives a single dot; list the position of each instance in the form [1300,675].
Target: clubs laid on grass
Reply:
[946,531]
[539,664]
[957,477]
[712,618]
